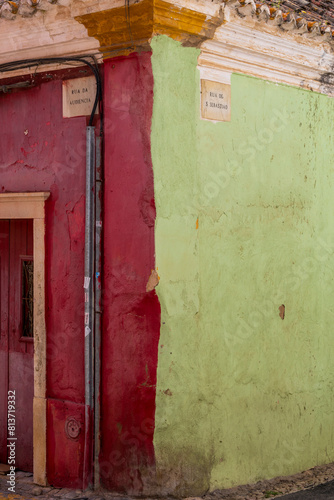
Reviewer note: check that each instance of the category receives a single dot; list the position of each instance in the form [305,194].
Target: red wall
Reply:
[131,322]
[41,151]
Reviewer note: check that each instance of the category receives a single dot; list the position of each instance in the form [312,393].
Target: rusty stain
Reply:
[168,392]
[197,223]
[282,311]
[153,281]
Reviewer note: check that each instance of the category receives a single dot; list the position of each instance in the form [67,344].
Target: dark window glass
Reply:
[27,298]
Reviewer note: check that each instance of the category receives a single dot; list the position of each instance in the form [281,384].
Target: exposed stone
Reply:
[36,490]
[71,494]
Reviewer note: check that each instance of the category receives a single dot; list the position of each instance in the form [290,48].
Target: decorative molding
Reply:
[50,32]
[48,35]
[23,197]
[22,205]
[240,38]
[12,9]
[120,31]
[215,74]
[242,49]
[103,27]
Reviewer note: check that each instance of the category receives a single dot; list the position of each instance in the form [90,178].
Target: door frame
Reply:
[32,206]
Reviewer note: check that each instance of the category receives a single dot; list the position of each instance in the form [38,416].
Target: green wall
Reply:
[242,395]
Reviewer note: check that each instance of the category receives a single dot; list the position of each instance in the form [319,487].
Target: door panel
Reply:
[21,379]
[19,346]
[4,290]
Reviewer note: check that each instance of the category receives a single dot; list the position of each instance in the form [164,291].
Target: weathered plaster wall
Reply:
[244,225]
[41,151]
[131,321]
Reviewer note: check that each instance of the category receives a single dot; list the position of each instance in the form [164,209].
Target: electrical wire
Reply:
[128,20]
[28,63]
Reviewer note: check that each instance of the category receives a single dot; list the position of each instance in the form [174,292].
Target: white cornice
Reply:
[210,8]
[50,33]
[54,31]
[243,49]
[241,45]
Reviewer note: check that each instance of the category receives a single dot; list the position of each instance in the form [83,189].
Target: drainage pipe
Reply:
[89,303]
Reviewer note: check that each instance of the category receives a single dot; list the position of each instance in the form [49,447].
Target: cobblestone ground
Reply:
[315,483]
[323,491]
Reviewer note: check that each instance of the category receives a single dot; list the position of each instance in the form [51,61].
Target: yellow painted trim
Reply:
[181,23]
[122,30]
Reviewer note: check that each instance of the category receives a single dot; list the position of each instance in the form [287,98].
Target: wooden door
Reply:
[16,345]
[4,310]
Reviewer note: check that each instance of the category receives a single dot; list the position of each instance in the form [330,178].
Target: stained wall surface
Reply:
[234,390]
[41,151]
[243,227]
[131,320]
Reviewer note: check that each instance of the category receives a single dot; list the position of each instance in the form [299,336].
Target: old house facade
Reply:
[166,246]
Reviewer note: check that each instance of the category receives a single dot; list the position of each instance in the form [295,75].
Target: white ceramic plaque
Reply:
[215,101]
[79,96]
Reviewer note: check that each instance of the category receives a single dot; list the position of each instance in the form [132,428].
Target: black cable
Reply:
[128,20]
[27,63]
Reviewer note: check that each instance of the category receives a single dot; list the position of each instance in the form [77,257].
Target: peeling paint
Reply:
[48,167]
[153,281]
[122,30]
[257,255]
[131,322]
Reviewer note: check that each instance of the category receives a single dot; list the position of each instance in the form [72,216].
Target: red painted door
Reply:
[16,341]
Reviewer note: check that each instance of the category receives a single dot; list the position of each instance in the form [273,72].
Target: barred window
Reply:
[27,298]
